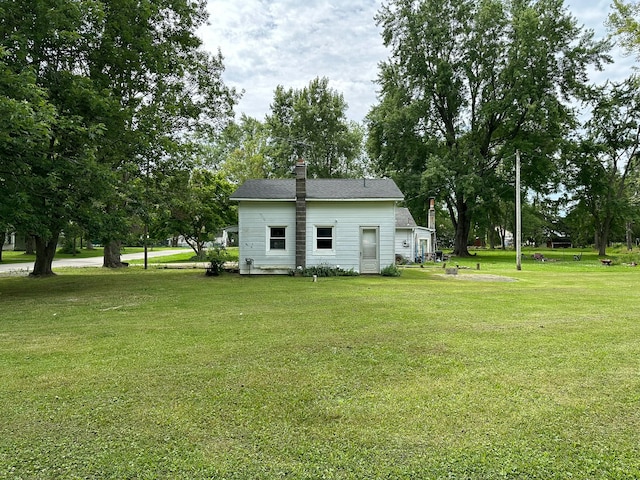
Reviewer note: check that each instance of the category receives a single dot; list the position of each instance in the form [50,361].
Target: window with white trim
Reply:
[277,238]
[324,238]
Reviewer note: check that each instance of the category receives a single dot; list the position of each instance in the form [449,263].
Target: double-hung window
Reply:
[277,238]
[324,238]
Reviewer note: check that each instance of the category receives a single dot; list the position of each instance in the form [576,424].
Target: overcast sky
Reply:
[266,43]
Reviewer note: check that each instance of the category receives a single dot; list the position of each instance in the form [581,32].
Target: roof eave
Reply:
[253,199]
[390,199]
[256,199]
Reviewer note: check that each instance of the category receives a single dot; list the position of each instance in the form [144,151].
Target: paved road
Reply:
[84,262]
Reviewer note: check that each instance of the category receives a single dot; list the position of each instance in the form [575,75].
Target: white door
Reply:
[369,251]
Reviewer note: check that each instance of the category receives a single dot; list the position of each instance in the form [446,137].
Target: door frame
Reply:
[368,266]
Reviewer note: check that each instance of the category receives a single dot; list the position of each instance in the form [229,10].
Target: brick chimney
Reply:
[301,213]
[431,224]
[431,218]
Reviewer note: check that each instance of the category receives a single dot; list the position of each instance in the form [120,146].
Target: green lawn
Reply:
[20,257]
[10,256]
[172,374]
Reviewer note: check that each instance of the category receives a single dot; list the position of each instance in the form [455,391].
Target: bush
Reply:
[68,247]
[216,257]
[391,271]
[326,270]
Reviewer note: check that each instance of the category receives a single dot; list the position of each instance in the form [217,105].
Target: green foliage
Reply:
[241,150]
[604,166]
[68,246]
[311,123]
[110,92]
[466,85]
[197,207]
[216,257]
[327,270]
[623,22]
[391,271]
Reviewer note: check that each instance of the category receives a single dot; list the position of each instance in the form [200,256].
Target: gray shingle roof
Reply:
[320,189]
[404,219]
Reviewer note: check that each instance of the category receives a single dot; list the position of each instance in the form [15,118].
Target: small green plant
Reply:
[216,257]
[326,270]
[69,247]
[391,271]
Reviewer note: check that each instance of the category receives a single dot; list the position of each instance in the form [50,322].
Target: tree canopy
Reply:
[468,83]
[604,167]
[311,123]
[624,21]
[127,86]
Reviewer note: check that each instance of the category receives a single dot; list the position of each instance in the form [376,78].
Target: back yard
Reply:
[171,374]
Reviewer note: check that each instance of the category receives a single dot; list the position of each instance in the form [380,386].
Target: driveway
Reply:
[26,267]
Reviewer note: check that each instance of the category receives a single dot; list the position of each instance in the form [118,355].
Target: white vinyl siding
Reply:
[254,235]
[404,243]
[347,218]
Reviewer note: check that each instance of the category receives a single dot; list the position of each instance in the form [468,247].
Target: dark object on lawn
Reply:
[606,261]
[577,258]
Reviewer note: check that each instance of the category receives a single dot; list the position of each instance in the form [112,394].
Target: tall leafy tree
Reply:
[469,82]
[198,207]
[606,165]
[26,120]
[241,151]
[168,90]
[47,39]
[130,85]
[311,123]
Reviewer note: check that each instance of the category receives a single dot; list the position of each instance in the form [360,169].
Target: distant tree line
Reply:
[469,83]
[116,125]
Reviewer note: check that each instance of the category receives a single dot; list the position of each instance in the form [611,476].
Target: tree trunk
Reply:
[30,247]
[45,252]
[3,235]
[112,255]
[601,242]
[602,235]
[463,227]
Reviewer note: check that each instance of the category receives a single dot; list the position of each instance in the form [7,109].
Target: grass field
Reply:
[493,373]
[10,256]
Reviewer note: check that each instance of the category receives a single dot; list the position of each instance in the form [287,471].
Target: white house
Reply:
[287,224]
[414,243]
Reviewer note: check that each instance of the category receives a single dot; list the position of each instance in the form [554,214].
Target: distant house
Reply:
[226,237]
[413,243]
[289,224]
[558,240]
[14,241]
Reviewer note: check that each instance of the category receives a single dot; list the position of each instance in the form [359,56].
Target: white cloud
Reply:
[267,43]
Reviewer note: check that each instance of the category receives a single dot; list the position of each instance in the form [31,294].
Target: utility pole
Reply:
[146,214]
[518,215]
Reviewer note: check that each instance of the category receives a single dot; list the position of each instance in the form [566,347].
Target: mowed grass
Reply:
[11,256]
[172,374]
